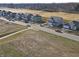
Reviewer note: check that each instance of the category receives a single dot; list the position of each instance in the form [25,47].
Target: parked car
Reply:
[59,31]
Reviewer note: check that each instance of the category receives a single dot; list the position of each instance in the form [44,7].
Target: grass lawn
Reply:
[7,28]
[73,32]
[38,43]
[8,50]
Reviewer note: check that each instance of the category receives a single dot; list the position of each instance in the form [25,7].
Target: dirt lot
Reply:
[6,27]
[66,16]
[38,43]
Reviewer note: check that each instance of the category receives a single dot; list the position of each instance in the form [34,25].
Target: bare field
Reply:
[66,16]
[38,43]
[6,27]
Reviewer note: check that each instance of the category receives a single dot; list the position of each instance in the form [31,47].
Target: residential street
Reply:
[66,35]
[37,27]
[16,22]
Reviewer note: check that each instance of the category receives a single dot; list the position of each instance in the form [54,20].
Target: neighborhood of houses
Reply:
[53,21]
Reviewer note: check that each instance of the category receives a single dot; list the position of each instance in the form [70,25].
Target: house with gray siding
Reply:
[37,19]
[55,21]
[73,25]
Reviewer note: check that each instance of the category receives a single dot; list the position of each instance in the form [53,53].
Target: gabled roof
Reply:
[57,19]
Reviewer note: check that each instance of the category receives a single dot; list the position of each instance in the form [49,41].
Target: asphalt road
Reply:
[66,35]
[15,22]
[37,27]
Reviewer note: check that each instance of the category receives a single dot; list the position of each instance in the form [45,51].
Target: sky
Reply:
[37,1]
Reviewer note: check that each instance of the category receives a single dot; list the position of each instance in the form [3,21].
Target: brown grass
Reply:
[66,16]
[6,27]
[38,43]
